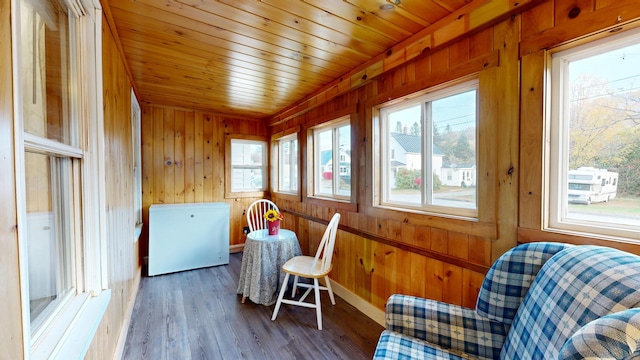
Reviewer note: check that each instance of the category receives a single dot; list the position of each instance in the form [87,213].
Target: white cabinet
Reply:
[187,236]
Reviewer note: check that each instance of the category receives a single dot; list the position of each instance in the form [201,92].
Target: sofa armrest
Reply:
[614,336]
[446,325]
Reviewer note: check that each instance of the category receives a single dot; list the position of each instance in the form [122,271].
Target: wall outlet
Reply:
[245,230]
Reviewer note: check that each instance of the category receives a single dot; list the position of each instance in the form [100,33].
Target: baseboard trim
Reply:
[122,338]
[354,300]
[236,248]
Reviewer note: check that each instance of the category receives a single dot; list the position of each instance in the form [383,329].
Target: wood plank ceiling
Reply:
[251,58]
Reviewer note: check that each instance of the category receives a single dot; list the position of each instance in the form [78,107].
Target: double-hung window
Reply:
[427,151]
[248,165]
[331,143]
[287,164]
[57,127]
[594,138]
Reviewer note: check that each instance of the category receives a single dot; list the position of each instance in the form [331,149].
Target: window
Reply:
[594,130]
[57,124]
[248,165]
[137,162]
[427,146]
[331,145]
[287,164]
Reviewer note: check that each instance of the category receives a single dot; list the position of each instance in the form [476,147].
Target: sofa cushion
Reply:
[510,277]
[576,286]
[615,336]
[393,345]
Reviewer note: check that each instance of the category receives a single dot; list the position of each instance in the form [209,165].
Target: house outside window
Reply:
[331,144]
[288,166]
[427,144]
[594,132]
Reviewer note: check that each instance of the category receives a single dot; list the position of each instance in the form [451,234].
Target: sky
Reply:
[620,67]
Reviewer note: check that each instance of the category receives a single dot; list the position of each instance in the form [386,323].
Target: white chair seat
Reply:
[304,266]
[312,268]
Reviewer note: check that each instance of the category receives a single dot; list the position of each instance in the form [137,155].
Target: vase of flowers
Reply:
[273,221]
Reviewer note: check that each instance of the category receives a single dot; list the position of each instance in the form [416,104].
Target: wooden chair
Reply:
[255,214]
[313,268]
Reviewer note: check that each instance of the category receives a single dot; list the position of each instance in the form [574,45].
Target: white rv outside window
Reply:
[594,136]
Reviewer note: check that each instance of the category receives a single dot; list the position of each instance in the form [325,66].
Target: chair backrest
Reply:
[324,254]
[576,286]
[255,214]
[510,277]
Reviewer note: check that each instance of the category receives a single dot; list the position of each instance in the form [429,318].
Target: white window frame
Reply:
[381,146]
[136,139]
[247,139]
[278,159]
[556,169]
[69,330]
[316,165]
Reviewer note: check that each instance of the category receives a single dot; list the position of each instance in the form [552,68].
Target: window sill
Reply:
[70,336]
[333,203]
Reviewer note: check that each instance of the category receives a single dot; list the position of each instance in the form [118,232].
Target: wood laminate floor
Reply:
[197,315]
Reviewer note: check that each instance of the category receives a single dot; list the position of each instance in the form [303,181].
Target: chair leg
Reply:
[316,288]
[280,296]
[295,285]
[326,280]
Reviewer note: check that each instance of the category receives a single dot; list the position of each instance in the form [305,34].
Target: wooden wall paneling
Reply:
[603,3]
[471,284]
[378,279]
[11,338]
[198,157]
[618,15]
[146,154]
[158,157]
[363,265]
[218,151]
[565,11]
[480,251]
[422,237]
[481,43]
[417,275]
[506,93]
[189,157]
[208,155]
[434,279]
[537,19]
[440,60]
[407,234]
[122,251]
[531,140]
[452,284]
[439,240]
[169,156]
[404,283]
[348,264]
[458,245]
[459,52]
[178,158]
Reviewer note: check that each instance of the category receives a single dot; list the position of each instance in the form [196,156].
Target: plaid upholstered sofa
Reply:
[538,301]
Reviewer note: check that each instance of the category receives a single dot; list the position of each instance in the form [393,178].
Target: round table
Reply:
[261,273]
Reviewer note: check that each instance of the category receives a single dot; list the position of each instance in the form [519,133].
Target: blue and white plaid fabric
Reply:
[615,336]
[510,277]
[393,345]
[576,286]
[444,325]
